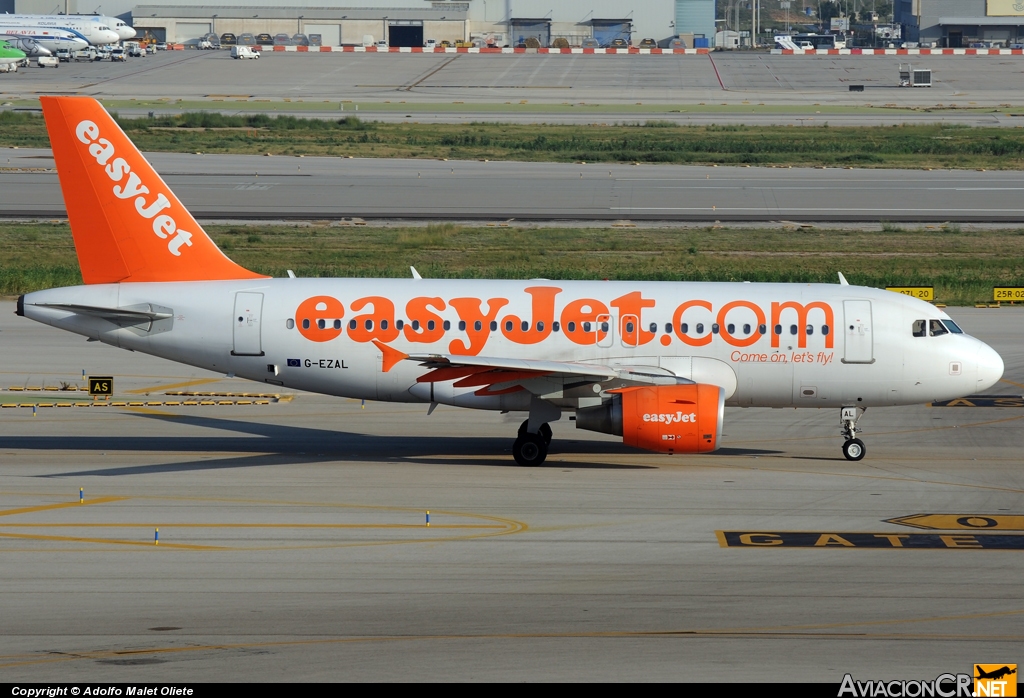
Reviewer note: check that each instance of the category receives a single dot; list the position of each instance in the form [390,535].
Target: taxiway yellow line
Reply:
[111,541]
[62,505]
[248,525]
[172,386]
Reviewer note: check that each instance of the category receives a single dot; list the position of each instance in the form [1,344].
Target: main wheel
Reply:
[854,449]
[529,450]
[544,431]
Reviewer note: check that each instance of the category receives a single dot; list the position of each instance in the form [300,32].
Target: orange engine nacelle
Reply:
[663,418]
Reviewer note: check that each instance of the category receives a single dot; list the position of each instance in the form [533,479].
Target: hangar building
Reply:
[960,23]
[408,22]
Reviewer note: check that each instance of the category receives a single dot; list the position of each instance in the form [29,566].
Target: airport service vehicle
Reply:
[430,44]
[48,62]
[118,54]
[114,24]
[63,55]
[240,51]
[88,28]
[653,362]
[10,57]
[86,54]
[49,39]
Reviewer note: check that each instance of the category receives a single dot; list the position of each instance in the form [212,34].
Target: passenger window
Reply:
[714,328]
[399,324]
[778,329]
[494,326]
[290,324]
[629,327]
[746,329]
[508,325]
[478,325]
[685,328]
[555,326]
[731,327]
[604,326]
[810,330]
[368,324]
[305,324]
[586,327]
[653,327]
[524,326]
[352,324]
[416,325]
[793,329]
[540,326]
[824,329]
[462,325]
[919,328]
[936,328]
[571,326]
[446,325]
[431,325]
[321,324]
[337,324]
[700,328]
[763,329]
[668,328]
[383,324]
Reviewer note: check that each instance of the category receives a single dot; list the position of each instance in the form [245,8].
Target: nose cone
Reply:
[125,32]
[990,367]
[108,36]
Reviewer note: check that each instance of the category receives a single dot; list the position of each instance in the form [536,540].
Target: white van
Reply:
[244,52]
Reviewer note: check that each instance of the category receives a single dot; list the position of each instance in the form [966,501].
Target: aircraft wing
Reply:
[497,375]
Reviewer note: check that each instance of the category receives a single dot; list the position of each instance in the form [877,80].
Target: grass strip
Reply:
[946,146]
[962,265]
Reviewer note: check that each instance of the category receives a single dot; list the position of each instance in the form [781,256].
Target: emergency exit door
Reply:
[859,347]
[248,316]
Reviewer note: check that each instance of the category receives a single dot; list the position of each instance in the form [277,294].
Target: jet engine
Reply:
[663,418]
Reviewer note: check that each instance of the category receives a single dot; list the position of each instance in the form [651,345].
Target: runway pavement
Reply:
[293,543]
[253,188]
[592,88]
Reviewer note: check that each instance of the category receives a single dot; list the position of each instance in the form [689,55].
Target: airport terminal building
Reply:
[411,22]
[961,23]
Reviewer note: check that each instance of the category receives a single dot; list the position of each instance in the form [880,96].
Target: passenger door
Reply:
[248,317]
[859,347]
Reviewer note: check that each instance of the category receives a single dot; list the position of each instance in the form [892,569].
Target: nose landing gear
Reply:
[853,448]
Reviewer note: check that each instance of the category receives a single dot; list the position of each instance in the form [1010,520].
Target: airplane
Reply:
[995,674]
[47,38]
[31,48]
[653,362]
[87,28]
[119,26]
[10,55]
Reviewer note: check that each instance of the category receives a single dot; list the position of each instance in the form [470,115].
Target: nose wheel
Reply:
[531,449]
[853,448]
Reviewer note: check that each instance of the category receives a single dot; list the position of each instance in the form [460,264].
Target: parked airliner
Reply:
[654,362]
[88,27]
[51,40]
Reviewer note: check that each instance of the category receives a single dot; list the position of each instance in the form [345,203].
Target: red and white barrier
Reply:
[899,52]
[474,49]
[633,51]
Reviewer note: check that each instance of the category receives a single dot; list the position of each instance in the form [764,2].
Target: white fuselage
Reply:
[770,345]
[88,28]
[46,37]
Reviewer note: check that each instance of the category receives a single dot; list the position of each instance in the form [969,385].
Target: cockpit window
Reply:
[952,327]
[920,328]
[936,328]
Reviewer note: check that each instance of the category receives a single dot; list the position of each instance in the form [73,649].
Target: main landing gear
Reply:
[853,448]
[531,449]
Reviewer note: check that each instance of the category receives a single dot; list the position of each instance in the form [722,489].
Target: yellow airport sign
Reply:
[1004,8]
[925,293]
[101,385]
[1008,294]
[962,522]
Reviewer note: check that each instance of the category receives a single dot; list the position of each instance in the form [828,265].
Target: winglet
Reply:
[842,280]
[126,222]
[415,274]
[391,356]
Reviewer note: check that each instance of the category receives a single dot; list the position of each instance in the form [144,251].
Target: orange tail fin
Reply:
[127,224]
